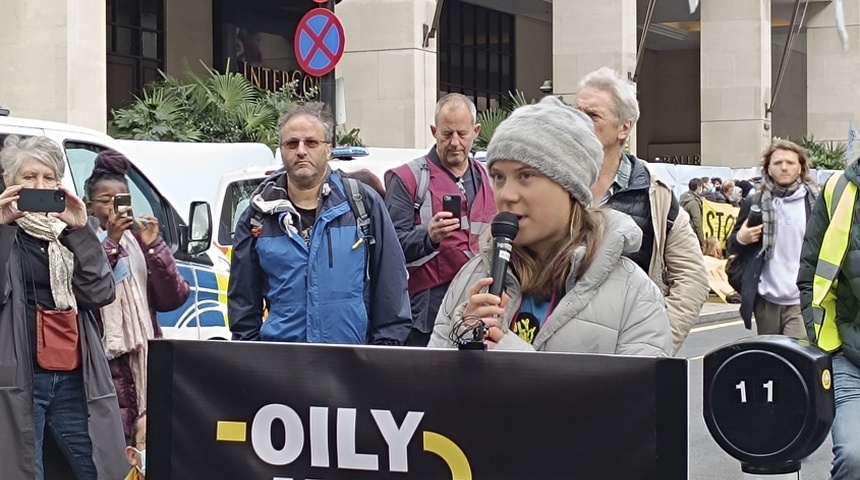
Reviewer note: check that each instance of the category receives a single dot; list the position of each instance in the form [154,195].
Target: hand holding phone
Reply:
[41,200]
[121,200]
[453,204]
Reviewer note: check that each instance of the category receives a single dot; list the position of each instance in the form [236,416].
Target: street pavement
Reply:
[715,311]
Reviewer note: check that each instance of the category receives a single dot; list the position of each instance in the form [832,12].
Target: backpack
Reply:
[358,205]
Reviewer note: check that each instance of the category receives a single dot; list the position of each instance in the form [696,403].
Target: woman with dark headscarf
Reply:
[146,281]
[54,376]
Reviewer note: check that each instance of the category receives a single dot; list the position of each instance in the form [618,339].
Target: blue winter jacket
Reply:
[335,290]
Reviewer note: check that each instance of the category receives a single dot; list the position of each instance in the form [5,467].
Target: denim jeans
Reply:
[846,425]
[60,404]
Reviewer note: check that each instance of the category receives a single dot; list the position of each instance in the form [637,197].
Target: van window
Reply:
[236,200]
[144,199]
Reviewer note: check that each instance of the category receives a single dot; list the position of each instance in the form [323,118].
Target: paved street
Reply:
[719,325]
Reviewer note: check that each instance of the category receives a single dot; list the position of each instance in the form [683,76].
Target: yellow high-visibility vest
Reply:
[834,245]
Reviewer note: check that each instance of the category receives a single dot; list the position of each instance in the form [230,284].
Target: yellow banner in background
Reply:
[718,220]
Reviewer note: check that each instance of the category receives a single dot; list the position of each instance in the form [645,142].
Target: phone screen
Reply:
[41,200]
[122,200]
[453,204]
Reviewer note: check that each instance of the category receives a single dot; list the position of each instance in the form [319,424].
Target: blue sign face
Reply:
[319,42]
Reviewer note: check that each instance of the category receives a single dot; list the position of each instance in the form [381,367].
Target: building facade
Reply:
[706,80]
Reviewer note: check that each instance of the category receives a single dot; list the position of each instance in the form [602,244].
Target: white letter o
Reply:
[261,434]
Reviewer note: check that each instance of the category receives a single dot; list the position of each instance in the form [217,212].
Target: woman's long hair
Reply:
[541,280]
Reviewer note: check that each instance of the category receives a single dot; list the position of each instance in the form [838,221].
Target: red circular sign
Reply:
[319,42]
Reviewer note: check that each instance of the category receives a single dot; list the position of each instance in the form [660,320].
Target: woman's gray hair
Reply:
[16,150]
[624,104]
[318,110]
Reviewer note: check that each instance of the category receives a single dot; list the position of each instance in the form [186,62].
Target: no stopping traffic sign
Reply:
[319,42]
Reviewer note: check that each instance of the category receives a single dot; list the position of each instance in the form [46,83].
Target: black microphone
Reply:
[505,227]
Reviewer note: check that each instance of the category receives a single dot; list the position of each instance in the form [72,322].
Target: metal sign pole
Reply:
[328,88]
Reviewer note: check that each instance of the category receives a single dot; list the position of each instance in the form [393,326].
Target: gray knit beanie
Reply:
[554,139]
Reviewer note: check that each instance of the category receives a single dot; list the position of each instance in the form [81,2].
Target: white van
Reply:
[167,180]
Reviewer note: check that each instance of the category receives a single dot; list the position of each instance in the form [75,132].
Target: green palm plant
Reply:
[351,138]
[827,155]
[491,118]
[216,107]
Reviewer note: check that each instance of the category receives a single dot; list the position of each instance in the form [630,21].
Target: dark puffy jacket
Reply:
[847,303]
[752,270]
[634,201]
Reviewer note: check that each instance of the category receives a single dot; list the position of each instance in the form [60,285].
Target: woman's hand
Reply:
[118,222]
[75,213]
[748,235]
[489,308]
[8,213]
[148,228]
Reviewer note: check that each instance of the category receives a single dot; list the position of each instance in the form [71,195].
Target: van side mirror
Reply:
[200,228]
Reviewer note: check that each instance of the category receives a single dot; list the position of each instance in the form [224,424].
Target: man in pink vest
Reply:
[436,242]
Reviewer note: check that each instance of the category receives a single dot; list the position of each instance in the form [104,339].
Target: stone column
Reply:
[604,37]
[833,74]
[390,79]
[54,61]
[736,81]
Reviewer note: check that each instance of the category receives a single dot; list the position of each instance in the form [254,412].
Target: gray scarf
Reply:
[61,261]
[768,193]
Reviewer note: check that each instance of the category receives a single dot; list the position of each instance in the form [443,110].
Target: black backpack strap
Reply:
[359,207]
[674,207]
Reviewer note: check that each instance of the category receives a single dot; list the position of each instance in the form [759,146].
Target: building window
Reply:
[135,48]
[256,38]
[476,53]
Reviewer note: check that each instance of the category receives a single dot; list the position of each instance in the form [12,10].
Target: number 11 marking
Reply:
[742,386]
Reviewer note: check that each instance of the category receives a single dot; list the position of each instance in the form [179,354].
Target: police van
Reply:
[182,209]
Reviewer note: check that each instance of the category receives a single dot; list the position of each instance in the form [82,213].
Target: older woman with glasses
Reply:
[54,376]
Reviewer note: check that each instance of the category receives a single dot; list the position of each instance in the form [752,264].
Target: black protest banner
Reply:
[269,411]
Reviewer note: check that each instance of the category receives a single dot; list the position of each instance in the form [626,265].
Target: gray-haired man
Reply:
[670,250]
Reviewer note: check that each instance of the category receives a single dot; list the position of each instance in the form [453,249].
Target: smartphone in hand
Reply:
[122,200]
[453,204]
[41,200]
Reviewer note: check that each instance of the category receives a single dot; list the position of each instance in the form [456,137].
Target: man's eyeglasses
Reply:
[310,143]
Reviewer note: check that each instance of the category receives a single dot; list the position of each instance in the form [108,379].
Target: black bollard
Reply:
[768,401]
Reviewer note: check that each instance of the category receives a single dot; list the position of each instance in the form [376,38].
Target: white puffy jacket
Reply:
[614,308]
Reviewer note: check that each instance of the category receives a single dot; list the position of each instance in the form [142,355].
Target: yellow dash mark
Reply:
[450,453]
[231,431]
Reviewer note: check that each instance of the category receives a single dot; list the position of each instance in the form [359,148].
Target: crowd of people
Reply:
[606,259]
